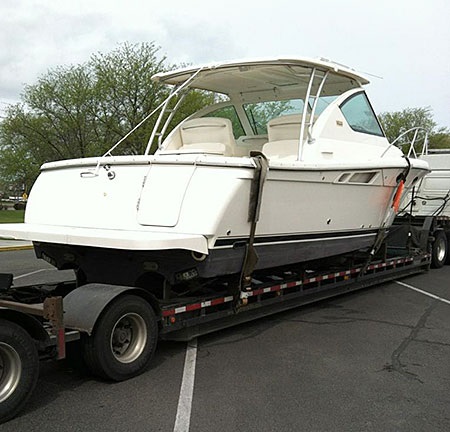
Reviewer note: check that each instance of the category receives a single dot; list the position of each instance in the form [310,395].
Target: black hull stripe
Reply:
[221,242]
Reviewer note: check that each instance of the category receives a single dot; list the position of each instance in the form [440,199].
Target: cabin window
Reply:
[360,116]
[260,113]
[229,112]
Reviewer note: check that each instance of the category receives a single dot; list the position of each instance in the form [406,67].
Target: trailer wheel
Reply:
[447,261]
[439,250]
[124,339]
[19,368]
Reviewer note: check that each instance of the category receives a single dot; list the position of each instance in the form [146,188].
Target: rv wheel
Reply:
[19,368]
[439,250]
[124,339]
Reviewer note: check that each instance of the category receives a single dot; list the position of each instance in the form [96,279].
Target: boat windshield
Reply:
[260,113]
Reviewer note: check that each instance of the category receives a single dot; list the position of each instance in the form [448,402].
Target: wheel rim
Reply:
[128,338]
[10,370]
[440,250]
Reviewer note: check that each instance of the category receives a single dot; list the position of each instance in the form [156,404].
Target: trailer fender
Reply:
[29,323]
[84,305]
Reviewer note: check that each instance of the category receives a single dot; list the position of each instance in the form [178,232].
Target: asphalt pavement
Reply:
[373,360]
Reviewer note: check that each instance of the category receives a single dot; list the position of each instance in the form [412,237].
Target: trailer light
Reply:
[172,320]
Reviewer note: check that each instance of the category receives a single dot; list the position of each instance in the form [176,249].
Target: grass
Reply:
[11,216]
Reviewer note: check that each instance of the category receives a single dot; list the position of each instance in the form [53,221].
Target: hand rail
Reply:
[164,103]
[412,143]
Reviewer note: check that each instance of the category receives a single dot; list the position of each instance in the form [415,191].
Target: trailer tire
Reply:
[19,368]
[439,251]
[447,261]
[124,339]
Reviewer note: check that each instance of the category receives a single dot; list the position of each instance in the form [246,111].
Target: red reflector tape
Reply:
[280,287]
[196,306]
[217,301]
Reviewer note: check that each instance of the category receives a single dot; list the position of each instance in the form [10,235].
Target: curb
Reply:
[15,248]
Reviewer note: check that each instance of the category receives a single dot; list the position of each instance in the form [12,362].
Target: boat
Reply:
[289,165]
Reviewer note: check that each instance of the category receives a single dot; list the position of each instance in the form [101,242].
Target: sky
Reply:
[403,44]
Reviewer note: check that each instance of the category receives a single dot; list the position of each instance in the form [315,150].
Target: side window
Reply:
[229,113]
[322,103]
[360,116]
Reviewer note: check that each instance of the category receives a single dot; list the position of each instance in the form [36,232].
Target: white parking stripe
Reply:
[187,389]
[423,292]
[28,274]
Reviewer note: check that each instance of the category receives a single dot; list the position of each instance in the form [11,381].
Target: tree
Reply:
[440,139]
[126,94]
[53,122]
[397,122]
[83,110]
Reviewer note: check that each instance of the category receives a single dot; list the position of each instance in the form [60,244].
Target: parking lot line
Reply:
[28,274]
[187,389]
[423,292]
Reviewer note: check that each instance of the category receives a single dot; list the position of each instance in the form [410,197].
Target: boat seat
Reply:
[208,135]
[284,128]
[284,136]
[281,149]
[283,133]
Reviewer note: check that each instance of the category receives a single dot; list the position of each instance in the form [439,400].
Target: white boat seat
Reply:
[284,136]
[284,128]
[281,149]
[211,134]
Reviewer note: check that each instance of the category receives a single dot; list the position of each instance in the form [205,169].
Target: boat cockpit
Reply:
[262,108]
[279,107]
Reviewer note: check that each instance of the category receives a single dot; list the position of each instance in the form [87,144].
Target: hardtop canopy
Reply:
[251,79]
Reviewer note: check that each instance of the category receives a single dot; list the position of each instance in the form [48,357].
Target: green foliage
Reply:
[81,111]
[126,94]
[397,122]
[440,139]
[12,216]
[53,122]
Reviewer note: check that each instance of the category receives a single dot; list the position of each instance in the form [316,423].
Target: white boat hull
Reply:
[201,214]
